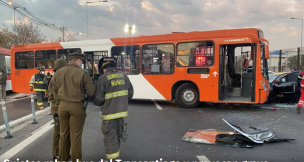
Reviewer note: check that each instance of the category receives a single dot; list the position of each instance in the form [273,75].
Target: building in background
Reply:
[289,60]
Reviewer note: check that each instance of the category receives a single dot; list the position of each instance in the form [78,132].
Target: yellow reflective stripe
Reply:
[116,94]
[114,116]
[40,90]
[113,156]
[40,82]
[31,85]
[39,103]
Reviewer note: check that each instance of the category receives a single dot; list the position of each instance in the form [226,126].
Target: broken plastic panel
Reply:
[256,134]
[208,136]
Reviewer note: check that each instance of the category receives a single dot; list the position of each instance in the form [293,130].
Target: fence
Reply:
[288,59]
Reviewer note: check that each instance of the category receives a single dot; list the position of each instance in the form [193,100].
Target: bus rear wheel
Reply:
[187,96]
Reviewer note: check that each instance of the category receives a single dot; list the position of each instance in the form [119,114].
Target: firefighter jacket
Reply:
[72,83]
[39,82]
[113,91]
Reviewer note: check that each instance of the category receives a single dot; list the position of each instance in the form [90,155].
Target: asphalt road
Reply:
[156,134]
[16,109]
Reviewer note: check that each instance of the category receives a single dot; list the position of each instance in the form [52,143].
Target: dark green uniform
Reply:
[71,84]
[112,91]
[53,98]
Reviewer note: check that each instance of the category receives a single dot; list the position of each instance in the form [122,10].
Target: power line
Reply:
[22,14]
[30,13]
[30,16]
[33,15]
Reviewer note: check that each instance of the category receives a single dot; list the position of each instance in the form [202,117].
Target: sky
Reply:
[153,17]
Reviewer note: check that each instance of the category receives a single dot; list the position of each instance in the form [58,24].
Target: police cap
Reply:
[76,55]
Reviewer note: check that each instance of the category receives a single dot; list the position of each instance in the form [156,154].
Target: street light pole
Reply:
[301,39]
[12,4]
[130,29]
[88,16]
[87,21]
[14,17]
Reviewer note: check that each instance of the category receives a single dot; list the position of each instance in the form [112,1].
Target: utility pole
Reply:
[280,61]
[62,29]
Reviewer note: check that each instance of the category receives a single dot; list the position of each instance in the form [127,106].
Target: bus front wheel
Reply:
[187,96]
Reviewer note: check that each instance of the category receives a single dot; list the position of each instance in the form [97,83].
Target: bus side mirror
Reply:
[266,51]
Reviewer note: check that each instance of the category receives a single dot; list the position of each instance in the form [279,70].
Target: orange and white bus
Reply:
[189,68]
[5,65]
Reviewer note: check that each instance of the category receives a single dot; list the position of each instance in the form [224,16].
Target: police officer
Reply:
[112,91]
[71,84]
[53,98]
[39,81]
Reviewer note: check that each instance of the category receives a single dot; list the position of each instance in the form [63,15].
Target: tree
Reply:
[59,39]
[293,62]
[21,34]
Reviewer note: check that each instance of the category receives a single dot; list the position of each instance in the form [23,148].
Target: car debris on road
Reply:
[242,137]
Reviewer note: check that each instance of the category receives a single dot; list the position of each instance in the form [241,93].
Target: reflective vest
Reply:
[39,83]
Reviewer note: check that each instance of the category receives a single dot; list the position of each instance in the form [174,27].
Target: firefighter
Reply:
[301,100]
[53,98]
[112,91]
[39,81]
[72,84]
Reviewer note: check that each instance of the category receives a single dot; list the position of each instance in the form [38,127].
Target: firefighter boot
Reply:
[299,107]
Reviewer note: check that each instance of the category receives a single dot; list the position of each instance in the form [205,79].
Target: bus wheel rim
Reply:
[188,95]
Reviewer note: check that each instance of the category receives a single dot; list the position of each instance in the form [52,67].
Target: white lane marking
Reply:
[202,158]
[25,118]
[157,105]
[35,135]
[19,127]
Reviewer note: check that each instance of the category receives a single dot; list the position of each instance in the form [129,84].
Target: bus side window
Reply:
[64,53]
[195,54]
[24,60]
[127,58]
[158,59]
[45,58]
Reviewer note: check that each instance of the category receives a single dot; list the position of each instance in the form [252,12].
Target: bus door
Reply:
[237,72]
[91,62]
[222,72]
